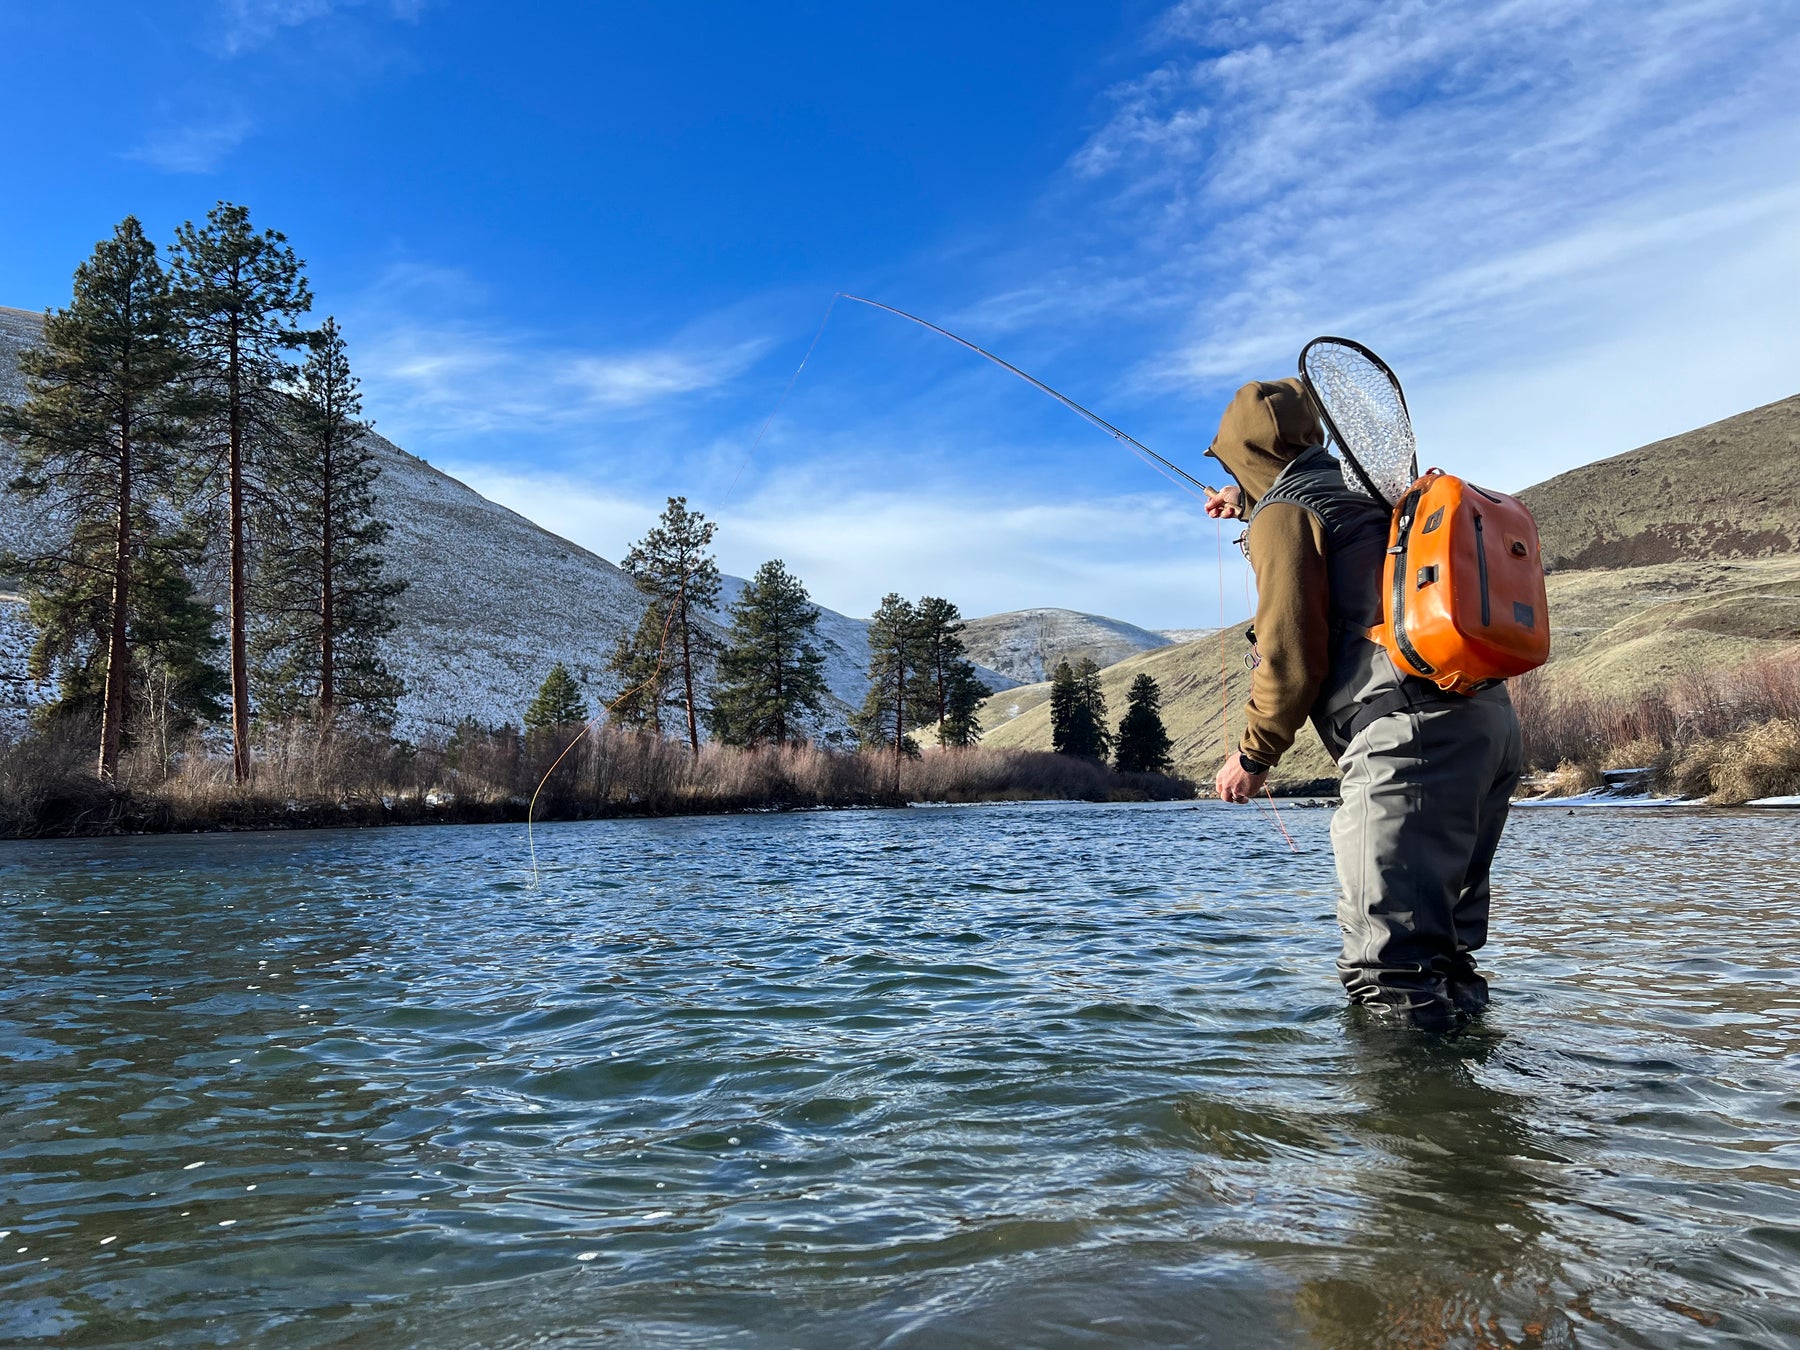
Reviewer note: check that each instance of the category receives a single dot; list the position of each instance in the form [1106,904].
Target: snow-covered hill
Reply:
[1026,644]
[493,600]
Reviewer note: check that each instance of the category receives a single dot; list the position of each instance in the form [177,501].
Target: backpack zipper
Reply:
[1481,565]
[1408,509]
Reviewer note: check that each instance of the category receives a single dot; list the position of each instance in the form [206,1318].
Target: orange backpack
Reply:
[1463,587]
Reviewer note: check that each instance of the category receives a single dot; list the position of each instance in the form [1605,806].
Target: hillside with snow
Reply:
[492,600]
[1026,644]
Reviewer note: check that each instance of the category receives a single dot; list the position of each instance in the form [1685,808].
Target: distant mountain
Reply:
[493,600]
[1730,489]
[1026,644]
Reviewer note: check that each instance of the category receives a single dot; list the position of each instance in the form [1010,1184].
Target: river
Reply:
[1020,1075]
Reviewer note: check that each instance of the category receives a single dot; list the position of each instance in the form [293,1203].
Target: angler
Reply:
[1428,773]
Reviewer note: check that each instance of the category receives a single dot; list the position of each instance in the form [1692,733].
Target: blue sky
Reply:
[578,249]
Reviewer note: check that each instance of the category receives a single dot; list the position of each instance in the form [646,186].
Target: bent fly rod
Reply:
[1170,470]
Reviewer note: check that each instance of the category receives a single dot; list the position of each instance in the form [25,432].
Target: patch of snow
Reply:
[1775,801]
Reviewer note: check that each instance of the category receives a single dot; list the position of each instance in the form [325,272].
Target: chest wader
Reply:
[1428,778]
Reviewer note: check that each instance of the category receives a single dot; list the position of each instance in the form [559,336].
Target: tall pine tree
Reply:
[323,603]
[1078,711]
[947,682]
[961,727]
[241,295]
[558,703]
[771,673]
[1143,744]
[673,566]
[646,679]
[895,699]
[98,434]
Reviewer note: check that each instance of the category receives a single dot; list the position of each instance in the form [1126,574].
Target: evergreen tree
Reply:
[241,295]
[672,566]
[961,727]
[558,703]
[1078,711]
[771,675]
[946,677]
[324,604]
[646,680]
[1062,707]
[98,433]
[1143,744]
[895,699]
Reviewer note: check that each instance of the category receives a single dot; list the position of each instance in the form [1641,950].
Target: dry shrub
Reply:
[1571,778]
[355,777]
[48,784]
[1717,735]
[1757,761]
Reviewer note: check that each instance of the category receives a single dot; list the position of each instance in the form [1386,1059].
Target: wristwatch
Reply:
[1251,765]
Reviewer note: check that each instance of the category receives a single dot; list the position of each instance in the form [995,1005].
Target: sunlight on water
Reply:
[1031,1074]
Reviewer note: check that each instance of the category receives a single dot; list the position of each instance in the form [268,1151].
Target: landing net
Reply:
[1365,411]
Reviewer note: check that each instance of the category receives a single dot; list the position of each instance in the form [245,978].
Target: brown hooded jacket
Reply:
[1266,426]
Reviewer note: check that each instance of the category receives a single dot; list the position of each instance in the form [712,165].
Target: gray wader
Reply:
[1427,776]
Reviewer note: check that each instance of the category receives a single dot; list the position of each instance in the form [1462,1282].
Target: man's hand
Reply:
[1224,504]
[1235,783]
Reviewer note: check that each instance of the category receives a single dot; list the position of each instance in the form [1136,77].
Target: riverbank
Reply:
[48,787]
[1721,740]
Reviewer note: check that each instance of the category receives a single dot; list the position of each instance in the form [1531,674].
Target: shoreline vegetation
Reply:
[301,781]
[1719,738]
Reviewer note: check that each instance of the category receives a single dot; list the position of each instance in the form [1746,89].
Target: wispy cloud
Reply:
[1148,559]
[436,365]
[198,144]
[1468,185]
[246,25]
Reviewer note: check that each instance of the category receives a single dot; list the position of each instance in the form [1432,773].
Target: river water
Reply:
[1006,1075]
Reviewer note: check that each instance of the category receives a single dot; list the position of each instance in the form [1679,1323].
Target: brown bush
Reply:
[1724,736]
[353,777]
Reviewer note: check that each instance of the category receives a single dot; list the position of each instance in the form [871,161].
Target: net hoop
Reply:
[1380,446]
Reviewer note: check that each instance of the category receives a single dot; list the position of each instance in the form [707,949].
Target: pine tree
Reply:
[324,605]
[98,434]
[961,727]
[241,295]
[896,656]
[646,680]
[1063,696]
[672,566]
[771,675]
[558,703]
[1078,711]
[1143,744]
[946,677]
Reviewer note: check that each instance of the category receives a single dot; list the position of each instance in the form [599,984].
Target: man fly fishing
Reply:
[1427,775]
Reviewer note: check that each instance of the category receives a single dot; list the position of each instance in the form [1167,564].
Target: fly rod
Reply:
[1174,472]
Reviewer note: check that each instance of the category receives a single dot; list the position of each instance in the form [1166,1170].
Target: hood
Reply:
[1266,427]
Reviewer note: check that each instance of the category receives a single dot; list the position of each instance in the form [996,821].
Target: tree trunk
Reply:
[118,651]
[327,616]
[240,661]
[687,676]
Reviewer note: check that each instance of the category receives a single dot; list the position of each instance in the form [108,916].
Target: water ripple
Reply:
[1034,1074]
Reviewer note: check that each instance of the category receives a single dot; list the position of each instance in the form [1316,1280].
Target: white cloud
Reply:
[464,379]
[1486,192]
[245,25]
[1149,560]
[196,145]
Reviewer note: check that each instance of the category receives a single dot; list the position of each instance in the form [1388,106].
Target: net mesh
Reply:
[1363,403]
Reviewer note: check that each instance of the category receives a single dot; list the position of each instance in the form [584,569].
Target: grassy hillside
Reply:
[1189,676]
[1727,490]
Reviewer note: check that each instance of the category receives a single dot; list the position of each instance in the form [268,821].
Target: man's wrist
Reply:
[1252,766]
